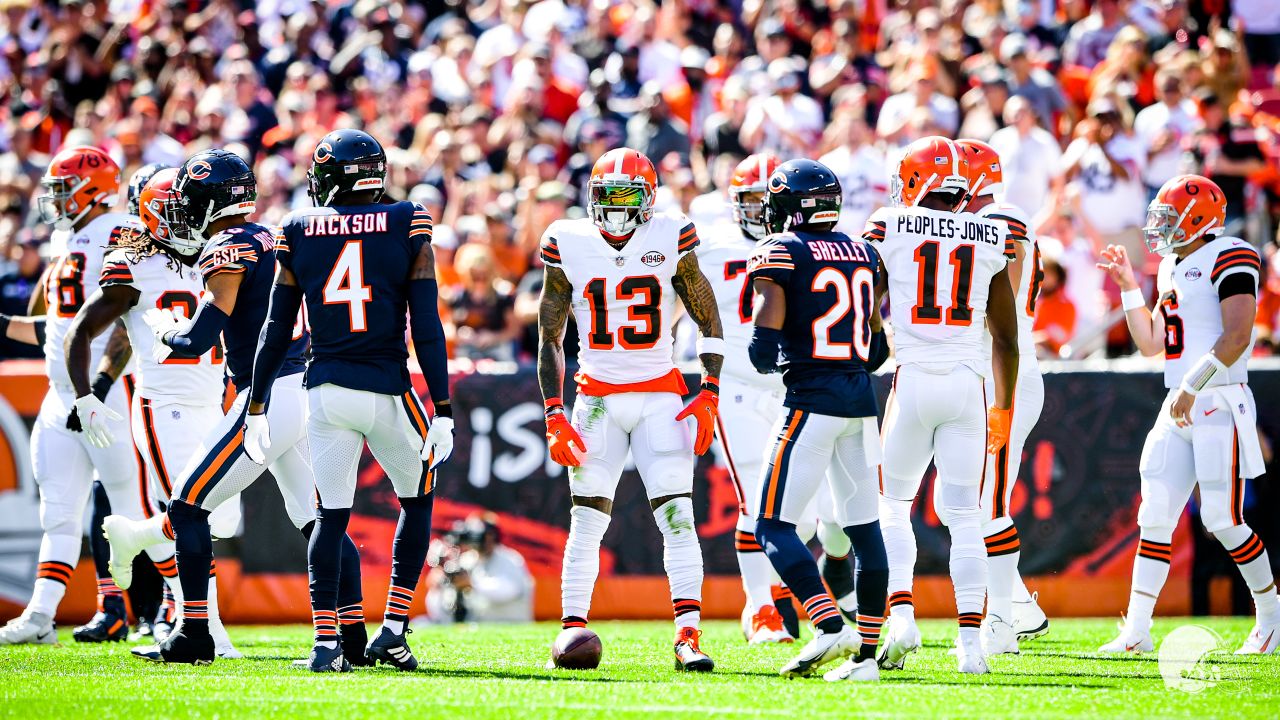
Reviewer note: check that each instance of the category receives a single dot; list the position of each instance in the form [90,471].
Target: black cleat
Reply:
[392,649]
[355,637]
[108,625]
[324,659]
[183,645]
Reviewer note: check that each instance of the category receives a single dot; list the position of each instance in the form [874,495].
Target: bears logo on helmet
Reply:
[323,153]
[199,170]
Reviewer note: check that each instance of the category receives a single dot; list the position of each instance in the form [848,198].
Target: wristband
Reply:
[4,325]
[710,346]
[554,405]
[1132,300]
[711,383]
[1202,373]
[443,409]
[101,386]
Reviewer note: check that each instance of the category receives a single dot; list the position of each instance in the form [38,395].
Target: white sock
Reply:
[682,558]
[214,618]
[395,626]
[900,547]
[1150,571]
[175,587]
[57,561]
[757,579]
[968,560]
[1002,566]
[1251,558]
[1020,592]
[581,560]
[151,530]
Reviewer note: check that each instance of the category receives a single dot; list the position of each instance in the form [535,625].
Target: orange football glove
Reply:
[704,408]
[998,422]
[563,440]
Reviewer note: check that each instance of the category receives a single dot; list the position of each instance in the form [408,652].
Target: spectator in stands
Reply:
[723,130]
[983,106]
[1088,40]
[920,103]
[478,313]
[595,108]
[1225,67]
[786,121]
[1261,23]
[653,131]
[1029,156]
[1162,128]
[17,286]
[1225,149]
[1035,84]
[1055,322]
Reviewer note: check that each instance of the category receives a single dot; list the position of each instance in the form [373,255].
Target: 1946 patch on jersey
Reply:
[653,258]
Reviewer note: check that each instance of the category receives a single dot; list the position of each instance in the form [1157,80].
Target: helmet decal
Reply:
[324,153]
[199,170]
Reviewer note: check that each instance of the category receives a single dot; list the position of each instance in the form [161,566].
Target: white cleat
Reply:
[222,641]
[822,649]
[1262,641]
[969,656]
[766,627]
[854,670]
[997,637]
[902,639]
[125,546]
[29,628]
[1130,640]
[1029,621]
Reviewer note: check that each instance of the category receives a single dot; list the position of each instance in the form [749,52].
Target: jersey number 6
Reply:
[857,293]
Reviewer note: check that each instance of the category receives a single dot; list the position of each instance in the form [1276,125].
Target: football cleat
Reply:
[854,670]
[1262,641]
[391,649]
[997,637]
[328,659]
[689,656]
[355,638]
[1130,640]
[142,630]
[822,649]
[109,624]
[126,543]
[222,641]
[1029,621]
[29,628]
[970,659]
[766,627]
[902,639]
[183,646]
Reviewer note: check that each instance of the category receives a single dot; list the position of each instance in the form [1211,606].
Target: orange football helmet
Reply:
[1186,208]
[78,179]
[985,175]
[747,190]
[621,191]
[160,212]
[930,164]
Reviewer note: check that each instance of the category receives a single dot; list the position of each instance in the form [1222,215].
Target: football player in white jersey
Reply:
[619,272]
[1012,613]
[178,399]
[947,279]
[1205,436]
[862,167]
[79,185]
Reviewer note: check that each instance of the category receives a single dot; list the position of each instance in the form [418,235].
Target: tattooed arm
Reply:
[553,316]
[700,301]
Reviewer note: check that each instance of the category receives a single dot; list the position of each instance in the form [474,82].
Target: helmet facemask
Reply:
[1163,230]
[619,206]
[57,205]
[171,228]
[748,210]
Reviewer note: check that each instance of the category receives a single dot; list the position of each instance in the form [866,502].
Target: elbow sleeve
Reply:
[763,350]
[428,338]
[201,334]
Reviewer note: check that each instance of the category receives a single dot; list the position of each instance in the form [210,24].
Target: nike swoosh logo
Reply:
[1131,648]
[1207,413]
[1267,644]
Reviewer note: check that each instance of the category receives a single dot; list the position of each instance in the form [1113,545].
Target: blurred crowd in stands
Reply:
[493,112]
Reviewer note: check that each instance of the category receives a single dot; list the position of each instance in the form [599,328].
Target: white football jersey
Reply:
[72,279]
[1191,310]
[864,179]
[940,265]
[623,300]
[1028,288]
[163,283]
[722,255]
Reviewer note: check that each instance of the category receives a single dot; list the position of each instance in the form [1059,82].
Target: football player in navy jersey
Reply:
[816,308]
[216,192]
[361,265]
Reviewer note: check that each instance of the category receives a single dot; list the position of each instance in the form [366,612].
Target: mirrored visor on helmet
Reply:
[630,196]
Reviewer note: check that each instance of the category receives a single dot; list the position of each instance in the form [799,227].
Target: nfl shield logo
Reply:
[619,261]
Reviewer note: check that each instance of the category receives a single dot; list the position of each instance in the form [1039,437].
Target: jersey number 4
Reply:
[856,293]
[927,311]
[346,285]
[647,313]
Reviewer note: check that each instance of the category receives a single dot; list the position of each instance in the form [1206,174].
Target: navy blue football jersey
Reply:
[830,282]
[353,264]
[248,249]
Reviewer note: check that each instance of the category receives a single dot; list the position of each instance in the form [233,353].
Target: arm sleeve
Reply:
[1017,233]
[428,338]
[273,343]
[201,334]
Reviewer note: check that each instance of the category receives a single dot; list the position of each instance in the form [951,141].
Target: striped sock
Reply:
[687,612]
[167,568]
[326,625]
[869,629]
[167,604]
[397,613]
[745,542]
[901,604]
[195,613]
[167,528]
[1150,571]
[108,588]
[351,614]
[572,621]
[58,572]
[823,613]
[1251,558]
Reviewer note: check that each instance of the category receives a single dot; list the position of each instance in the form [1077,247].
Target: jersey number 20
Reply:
[856,293]
[346,285]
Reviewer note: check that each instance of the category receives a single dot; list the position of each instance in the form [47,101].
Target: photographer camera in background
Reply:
[475,578]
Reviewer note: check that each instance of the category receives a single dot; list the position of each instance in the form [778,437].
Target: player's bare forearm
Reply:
[117,354]
[770,305]
[1238,313]
[1002,320]
[1143,328]
[424,266]
[699,300]
[106,306]
[26,330]
[38,303]
[881,289]
[553,316]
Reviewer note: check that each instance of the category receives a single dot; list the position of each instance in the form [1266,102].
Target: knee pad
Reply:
[895,513]
[58,518]
[958,504]
[899,489]
[1000,524]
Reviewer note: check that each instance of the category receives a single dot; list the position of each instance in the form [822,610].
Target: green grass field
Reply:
[497,672]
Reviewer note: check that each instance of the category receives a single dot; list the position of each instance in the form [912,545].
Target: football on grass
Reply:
[576,649]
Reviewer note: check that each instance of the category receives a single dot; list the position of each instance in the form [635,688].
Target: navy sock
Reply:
[350,592]
[97,541]
[324,560]
[193,545]
[872,582]
[408,553]
[798,570]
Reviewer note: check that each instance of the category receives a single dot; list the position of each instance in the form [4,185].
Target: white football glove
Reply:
[439,444]
[257,437]
[94,419]
[162,321]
